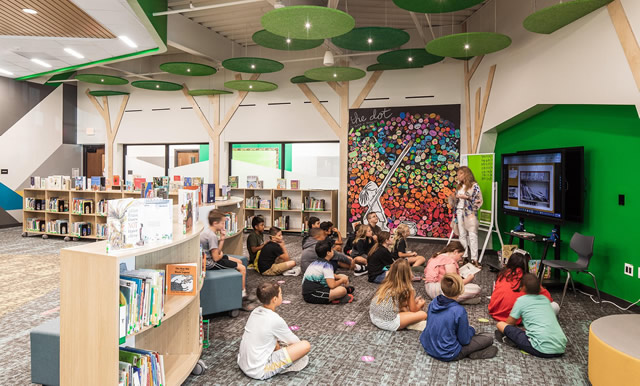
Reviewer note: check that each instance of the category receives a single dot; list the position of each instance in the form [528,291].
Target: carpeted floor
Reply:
[30,276]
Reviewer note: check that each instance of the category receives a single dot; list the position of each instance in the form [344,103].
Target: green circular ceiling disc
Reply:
[252,65]
[208,92]
[250,85]
[101,79]
[435,6]
[107,92]
[371,39]
[303,79]
[468,44]
[412,57]
[550,19]
[307,22]
[388,67]
[156,85]
[265,38]
[335,74]
[187,69]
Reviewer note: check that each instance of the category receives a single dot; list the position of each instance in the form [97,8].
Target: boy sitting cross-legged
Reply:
[448,336]
[544,337]
[260,355]
[309,255]
[274,258]
[320,285]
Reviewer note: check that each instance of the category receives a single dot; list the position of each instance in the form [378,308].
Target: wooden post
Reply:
[627,38]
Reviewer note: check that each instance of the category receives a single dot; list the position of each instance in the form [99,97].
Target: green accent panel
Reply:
[208,92]
[101,79]
[250,85]
[53,81]
[159,23]
[372,39]
[610,135]
[535,110]
[303,79]
[551,19]
[388,67]
[288,157]
[479,43]
[187,68]
[204,153]
[107,92]
[335,74]
[482,166]
[252,65]
[291,22]
[263,154]
[435,6]
[267,39]
[409,58]
[157,85]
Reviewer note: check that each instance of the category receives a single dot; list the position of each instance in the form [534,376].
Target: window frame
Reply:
[166,154]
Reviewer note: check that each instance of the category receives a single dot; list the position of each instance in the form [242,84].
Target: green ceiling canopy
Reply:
[265,38]
[157,85]
[101,79]
[435,6]
[250,85]
[335,74]
[468,44]
[371,39]
[252,65]
[107,92]
[303,79]
[550,19]
[388,67]
[187,69]
[412,57]
[307,22]
[208,92]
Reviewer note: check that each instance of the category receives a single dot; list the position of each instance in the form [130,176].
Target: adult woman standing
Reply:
[467,201]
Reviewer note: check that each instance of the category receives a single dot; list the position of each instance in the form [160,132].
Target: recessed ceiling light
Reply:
[335,75]
[157,86]
[40,62]
[5,72]
[253,66]
[288,41]
[466,46]
[188,70]
[410,59]
[307,25]
[369,40]
[128,41]
[101,80]
[250,86]
[74,53]
[29,11]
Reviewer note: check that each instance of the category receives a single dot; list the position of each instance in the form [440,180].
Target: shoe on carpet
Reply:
[295,271]
[360,270]
[244,293]
[486,353]
[420,326]
[502,338]
[298,365]
[350,289]
[348,298]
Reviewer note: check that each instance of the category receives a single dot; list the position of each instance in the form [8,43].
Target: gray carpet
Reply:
[31,267]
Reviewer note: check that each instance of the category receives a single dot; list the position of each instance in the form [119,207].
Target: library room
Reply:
[313,192]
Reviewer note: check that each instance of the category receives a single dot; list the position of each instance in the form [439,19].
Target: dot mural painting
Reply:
[402,163]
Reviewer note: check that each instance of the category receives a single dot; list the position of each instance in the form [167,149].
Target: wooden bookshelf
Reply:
[89,311]
[68,195]
[298,215]
[232,242]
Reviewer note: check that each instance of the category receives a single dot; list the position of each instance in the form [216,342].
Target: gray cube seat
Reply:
[222,290]
[45,353]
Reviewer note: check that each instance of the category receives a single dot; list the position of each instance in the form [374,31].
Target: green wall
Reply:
[611,139]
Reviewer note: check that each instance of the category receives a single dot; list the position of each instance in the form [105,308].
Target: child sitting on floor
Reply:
[395,304]
[313,222]
[544,337]
[400,246]
[373,220]
[380,258]
[255,240]
[448,336]
[260,355]
[309,252]
[274,258]
[507,288]
[446,261]
[320,285]
[362,244]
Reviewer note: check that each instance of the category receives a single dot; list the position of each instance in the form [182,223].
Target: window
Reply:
[315,164]
[148,161]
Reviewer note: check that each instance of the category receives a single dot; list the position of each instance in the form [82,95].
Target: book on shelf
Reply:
[82,206]
[144,293]
[187,181]
[161,187]
[79,183]
[54,182]
[98,183]
[260,184]
[81,229]
[117,183]
[311,203]
[183,279]
[252,202]
[233,181]
[146,190]
[295,184]
[34,182]
[66,183]
[174,186]
[265,204]
[32,203]
[138,367]
[35,225]
[282,203]
[187,209]
[60,227]
[208,193]
[102,207]
[249,220]
[282,222]
[136,222]
[177,179]
[231,223]
[101,230]
[225,191]
[43,183]
[281,183]
[137,183]
[252,182]
[58,205]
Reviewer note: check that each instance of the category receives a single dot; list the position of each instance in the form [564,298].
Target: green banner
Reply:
[482,167]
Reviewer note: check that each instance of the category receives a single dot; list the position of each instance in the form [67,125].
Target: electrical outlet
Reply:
[628,269]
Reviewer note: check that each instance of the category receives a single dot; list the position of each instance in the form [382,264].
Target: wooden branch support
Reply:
[367,89]
[321,109]
[482,111]
[627,38]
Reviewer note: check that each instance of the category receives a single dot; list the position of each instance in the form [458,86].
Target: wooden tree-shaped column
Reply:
[474,127]
[111,130]
[341,128]
[216,127]
[627,38]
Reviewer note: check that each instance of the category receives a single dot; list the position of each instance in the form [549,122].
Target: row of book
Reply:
[35,225]
[253,202]
[60,227]
[32,203]
[82,206]
[56,204]
[102,230]
[231,223]
[72,183]
[282,203]
[142,294]
[81,228]
[311,203]
[249,221]
[282,222]
[139,367]
[253,182]
[102,207]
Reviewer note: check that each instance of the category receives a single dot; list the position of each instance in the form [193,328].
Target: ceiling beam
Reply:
[205,7]
[195,39]
[414,17]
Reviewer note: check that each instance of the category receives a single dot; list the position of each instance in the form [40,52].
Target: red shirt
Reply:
[503,297]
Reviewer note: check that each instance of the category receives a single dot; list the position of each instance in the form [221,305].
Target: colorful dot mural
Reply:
[402,163]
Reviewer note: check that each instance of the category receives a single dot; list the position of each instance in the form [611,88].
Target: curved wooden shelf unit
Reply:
[231,201]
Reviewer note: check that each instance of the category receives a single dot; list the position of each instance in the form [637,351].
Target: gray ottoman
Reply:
[45,353]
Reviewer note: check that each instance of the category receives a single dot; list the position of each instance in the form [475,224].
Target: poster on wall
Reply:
[401,166]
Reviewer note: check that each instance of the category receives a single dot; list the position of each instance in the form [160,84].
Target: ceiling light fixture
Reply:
[157,86]
[288,41]
[328,59]
[466,46]
[250,86]
[335,75]
[253,66]
[102,80]
[74,53]
[5,72]
[40,62]
[128,41]
[29,11]
[307,25]
[369,40]
[410,59]
[188,70]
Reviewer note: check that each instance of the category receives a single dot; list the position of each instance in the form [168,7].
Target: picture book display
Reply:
[183,279]
[281,183]
[252,182]
[233,181]
[295,184]
[135,222]
[188,209]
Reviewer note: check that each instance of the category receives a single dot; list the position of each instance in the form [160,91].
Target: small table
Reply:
[538,239]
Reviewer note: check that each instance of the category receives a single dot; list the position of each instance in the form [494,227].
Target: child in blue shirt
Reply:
[448,336]
[544,337]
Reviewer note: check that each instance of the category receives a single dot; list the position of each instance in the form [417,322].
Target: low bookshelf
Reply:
[290,209]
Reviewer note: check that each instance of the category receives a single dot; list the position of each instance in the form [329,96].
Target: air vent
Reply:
[278,103]
[318,101]
[250,105]
[162,109]
[418,96]
[132,111]
[186,108]
[376,99]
